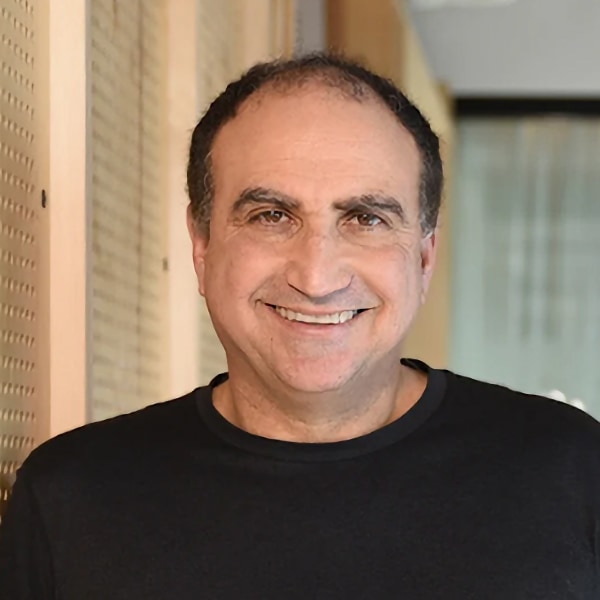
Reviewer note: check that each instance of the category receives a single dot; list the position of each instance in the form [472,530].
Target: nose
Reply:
[318,266]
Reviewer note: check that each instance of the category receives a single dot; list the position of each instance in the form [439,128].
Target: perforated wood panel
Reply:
[127,167]
[20,239]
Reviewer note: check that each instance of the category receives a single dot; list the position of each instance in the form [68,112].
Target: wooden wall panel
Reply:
[23,235]
[128,173]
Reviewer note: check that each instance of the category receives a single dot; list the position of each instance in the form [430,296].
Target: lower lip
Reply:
[315,328]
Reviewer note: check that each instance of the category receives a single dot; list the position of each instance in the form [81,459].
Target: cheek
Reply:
[398,280]
[236,271]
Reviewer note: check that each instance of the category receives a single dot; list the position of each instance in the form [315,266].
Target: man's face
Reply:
[316,264]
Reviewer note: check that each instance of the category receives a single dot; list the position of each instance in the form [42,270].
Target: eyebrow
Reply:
[369,202]
[260,195]
[360,203]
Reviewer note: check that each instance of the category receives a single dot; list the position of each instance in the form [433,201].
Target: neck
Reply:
[318,417]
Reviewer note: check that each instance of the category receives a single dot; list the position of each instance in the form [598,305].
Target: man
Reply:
[321,466]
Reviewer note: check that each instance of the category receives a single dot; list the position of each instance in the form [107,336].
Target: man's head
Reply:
[313,214]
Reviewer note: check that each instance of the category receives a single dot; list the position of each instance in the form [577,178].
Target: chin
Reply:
[315,379]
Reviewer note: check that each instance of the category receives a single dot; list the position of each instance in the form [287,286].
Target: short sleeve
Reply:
[25,561]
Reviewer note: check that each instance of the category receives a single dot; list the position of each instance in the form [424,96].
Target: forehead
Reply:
[315,141]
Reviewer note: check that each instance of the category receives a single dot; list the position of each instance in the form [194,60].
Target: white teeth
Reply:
[334,318]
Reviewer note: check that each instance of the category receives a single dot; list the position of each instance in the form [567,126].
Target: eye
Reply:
[269,217]
[367,219]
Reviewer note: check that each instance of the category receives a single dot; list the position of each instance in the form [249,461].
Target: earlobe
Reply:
[199,247]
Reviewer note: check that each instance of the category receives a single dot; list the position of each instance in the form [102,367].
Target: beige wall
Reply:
[68,210]
[184,314]
[368,31]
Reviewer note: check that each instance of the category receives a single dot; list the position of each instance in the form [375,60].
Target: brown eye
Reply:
[367,220]
[270,217]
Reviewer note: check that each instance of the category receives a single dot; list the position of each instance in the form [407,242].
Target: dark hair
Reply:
[347,77]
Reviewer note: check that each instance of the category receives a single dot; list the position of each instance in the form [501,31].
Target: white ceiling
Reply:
[522,48]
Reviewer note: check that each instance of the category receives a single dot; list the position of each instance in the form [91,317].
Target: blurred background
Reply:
[99,312]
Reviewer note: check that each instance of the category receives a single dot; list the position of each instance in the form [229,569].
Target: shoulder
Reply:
[114,441]
[529,415]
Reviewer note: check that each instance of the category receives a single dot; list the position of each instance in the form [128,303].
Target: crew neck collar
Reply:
[395,431]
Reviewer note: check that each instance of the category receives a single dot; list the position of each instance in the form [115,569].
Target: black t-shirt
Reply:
[477,492]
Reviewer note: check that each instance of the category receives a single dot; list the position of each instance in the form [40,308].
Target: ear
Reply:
[199,248]
[428,256]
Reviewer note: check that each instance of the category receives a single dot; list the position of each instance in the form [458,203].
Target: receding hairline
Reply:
[314,78]
[329,76]
[312,83]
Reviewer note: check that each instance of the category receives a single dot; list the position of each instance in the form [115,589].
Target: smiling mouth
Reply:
[335,318]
